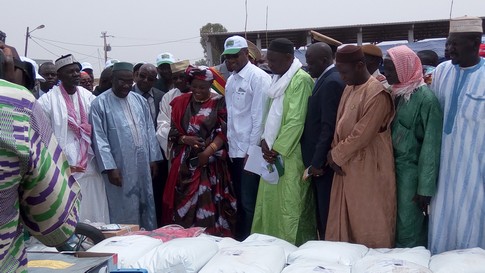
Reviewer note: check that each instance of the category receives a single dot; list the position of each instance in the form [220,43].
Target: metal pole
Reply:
[26,41]
[105,49]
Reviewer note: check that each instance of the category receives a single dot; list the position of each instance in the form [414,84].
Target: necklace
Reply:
[202,101]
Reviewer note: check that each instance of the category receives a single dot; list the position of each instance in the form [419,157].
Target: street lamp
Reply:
[27,36]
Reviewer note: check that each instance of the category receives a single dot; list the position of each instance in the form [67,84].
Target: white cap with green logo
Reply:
[234,44]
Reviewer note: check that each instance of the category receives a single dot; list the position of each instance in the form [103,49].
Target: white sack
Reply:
[470,260]
[257,239]
[221,242]
[374,264]
[309,266]
[329,252]
[247,259]
[418,255]
[182,255]
[129,248]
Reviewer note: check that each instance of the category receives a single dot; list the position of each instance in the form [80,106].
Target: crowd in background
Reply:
[385,150]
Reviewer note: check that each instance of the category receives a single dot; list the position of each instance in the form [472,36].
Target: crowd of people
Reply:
[346,153]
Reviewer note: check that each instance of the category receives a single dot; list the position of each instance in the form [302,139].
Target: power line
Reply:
[136,39]
[67,43]
[161,43]
[45,48]
[99,46]
[69,50]
[85,58]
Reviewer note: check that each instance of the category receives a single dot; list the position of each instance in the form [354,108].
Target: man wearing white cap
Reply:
[67,107]
[34,74]
[164,82]
[180,86]
[110,63]
[244,101]
[88,68]
[457,216]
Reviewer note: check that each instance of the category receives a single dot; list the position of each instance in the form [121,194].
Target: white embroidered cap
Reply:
[466,24]
[66,60]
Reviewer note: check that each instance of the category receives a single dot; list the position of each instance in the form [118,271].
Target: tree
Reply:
[202,62]
[210,28]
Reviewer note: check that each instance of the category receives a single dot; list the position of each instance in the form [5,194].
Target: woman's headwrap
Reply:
[202,73]
[409,71]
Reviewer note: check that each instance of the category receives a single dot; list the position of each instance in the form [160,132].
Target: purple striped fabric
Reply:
[26,135]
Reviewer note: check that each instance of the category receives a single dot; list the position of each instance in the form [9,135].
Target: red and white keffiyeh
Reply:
[409,71]
[81,130]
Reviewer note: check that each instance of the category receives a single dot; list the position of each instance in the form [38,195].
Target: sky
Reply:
[140,30]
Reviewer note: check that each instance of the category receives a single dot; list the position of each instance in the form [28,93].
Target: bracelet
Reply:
[213,147]
[182,139]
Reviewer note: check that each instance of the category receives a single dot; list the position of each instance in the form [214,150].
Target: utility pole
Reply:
[27,34]
[106,47]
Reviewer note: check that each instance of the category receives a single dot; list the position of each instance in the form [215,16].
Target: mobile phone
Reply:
[194,162]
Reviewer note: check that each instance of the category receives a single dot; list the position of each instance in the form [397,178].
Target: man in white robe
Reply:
[457,215]
[163,119]
[67,106]
[126,150]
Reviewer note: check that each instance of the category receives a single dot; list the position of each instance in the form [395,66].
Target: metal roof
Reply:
[371,33]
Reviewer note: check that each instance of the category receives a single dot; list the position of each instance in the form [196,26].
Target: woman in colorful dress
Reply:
[199,190]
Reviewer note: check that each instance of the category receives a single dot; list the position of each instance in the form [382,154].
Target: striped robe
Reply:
[458,209]
[36,189]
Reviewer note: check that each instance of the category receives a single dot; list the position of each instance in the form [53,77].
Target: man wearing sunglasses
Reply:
[244,100]
[145,86]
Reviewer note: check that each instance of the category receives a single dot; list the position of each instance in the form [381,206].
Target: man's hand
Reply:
[268,155]
[114,177]
[336,168]
[154,169]
[422,202]
[316,172]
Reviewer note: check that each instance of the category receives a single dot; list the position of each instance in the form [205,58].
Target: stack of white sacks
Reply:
[267,254]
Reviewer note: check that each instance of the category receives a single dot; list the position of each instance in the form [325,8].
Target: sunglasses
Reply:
[232,56]
[179,77]
[148,78]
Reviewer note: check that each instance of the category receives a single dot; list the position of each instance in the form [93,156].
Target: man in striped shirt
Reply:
[457,218]
[37,191]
